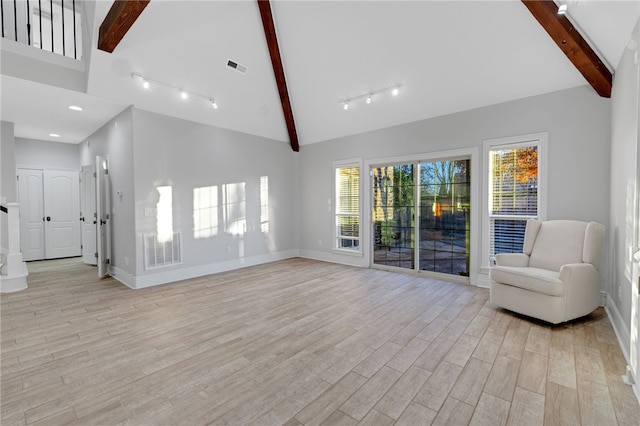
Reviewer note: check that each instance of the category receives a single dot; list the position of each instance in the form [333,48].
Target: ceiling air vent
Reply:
[236,66]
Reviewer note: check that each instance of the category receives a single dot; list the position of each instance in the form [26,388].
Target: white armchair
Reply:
[556,278]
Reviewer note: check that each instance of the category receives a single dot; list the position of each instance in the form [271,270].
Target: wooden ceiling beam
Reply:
[569,40]
[121,16]
[278,70]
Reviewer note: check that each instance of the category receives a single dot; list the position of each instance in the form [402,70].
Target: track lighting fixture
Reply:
[184,94]
[369,96]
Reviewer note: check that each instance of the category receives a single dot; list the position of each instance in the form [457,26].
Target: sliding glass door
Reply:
[393,216]
[421,216]
[444,230]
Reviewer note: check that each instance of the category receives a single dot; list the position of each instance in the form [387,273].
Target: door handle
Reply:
[102,222]
[48,218]
[82,219]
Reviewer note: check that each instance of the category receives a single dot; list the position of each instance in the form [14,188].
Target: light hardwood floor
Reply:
[297,342]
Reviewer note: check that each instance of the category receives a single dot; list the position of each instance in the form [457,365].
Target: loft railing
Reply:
[52,25]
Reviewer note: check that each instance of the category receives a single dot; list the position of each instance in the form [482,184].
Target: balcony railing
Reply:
[51,25]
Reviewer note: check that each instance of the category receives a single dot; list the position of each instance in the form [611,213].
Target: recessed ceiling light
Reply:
[54,135]
[75,108]
[184,95]
[394,92]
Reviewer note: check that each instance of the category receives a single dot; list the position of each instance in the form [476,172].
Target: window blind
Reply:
[348,207]
[513,196]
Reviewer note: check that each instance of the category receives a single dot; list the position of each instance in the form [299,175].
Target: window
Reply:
[515,178]
[347,207]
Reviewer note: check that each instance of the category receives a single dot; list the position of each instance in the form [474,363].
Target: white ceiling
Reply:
[448,55]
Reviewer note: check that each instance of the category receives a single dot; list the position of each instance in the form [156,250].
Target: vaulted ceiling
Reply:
[447,56]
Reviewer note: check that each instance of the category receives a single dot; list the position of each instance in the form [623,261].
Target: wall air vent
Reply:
[161,251]
[236,66]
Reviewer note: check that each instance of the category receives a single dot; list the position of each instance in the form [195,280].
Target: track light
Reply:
[562,9]
[184,94]
[369,96]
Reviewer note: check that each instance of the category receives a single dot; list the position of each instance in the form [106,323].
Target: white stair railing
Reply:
[15,273]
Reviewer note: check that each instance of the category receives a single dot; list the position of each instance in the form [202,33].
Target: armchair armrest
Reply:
[582,288]
[512,259]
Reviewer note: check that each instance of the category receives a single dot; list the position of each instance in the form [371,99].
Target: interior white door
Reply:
[30,196]
[103,208]
[62,214]
[89,215]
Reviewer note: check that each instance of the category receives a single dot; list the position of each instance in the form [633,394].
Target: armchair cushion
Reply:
[534,279]
[558,242]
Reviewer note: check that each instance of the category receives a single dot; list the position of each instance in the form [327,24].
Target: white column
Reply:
[14,257]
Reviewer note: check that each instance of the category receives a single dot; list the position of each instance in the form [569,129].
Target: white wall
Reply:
[578,124]
[31,153]
[625,203]
[114,141]
[8,186]
[186,155]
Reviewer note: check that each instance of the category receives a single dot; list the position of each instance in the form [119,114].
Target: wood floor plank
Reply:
[471,381]
[533,372]
[296,342]
[503,377]
[562,368]
[454,412]
[561,406]
[416,415]
[527,408]
[596,407]
[437,387]
[490,410]
[359,404]
[402,392]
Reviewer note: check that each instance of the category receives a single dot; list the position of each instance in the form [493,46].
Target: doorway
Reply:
[421,216]
[50,213]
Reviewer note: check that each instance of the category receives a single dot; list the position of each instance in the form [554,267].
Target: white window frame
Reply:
[354,162]
[539,139]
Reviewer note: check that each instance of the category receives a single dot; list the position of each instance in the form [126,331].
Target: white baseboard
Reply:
[124,277]
[324,256]
[620,328]
[484,281]
[168,276]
